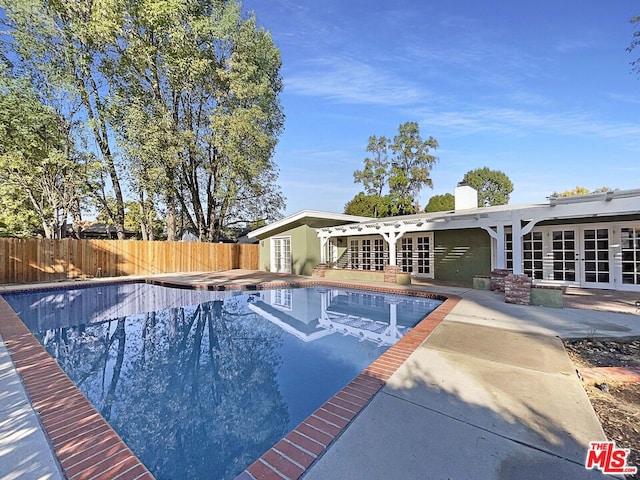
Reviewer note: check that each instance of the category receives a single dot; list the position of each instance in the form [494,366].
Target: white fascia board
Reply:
[340,217]
[595,206]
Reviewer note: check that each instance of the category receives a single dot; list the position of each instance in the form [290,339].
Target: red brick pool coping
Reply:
[88,448]
[84,443]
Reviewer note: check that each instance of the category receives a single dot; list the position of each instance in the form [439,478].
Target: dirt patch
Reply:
[617,404]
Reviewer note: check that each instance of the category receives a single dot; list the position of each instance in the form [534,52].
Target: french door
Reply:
[281,254]
[595,257]
[367,253]
[415,254]
[630,256]
[601,255]
[581,256]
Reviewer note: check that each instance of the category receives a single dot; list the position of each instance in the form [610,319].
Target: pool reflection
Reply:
[201,390]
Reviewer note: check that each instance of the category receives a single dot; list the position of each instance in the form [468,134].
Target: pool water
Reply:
[199,384]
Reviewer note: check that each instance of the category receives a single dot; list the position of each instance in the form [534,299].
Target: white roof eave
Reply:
[305,214]
[612,203]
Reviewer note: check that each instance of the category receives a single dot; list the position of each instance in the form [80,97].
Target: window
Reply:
[354,257]
[564,255]
[508,250]
[405,254]
[378,253]
[414,254]
[368,253]
[281,255]
[630,255]
[532,254]
[423,254]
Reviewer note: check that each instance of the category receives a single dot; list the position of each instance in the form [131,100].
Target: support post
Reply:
[517,246]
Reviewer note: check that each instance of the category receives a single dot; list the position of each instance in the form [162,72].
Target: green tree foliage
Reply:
[364,205]
[493,186]
[38,161]
[17,216]
[201,123]
[402,165]
[62,47]
[579,191]
[375,172]
[440,203]
[185,95]
[410,167]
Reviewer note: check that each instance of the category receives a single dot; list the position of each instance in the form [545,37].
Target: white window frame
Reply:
[615,257]
[367,255]
[272,255]
[415,254]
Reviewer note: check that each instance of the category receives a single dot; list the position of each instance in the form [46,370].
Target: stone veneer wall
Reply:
[390,272]
[517,289]
[497,279]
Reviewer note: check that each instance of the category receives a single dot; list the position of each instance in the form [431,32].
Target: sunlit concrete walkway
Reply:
[25,452]
[490,394]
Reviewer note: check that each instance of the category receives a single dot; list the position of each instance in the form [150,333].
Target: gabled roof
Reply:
[312,218]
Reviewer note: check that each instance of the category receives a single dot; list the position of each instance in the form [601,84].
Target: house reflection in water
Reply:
[313,313]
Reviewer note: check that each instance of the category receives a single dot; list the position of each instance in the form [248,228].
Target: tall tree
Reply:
[402,167]
[38,158]
[185,92]
[198,114]
[62,46]
[375,172]
[411,167]
[493,186]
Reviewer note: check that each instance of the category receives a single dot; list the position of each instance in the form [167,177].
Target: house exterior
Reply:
[591,241]
[292,245]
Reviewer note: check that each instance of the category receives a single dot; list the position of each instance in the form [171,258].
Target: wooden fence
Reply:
[39,260]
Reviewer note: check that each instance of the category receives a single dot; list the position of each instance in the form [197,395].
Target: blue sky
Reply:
[542,90]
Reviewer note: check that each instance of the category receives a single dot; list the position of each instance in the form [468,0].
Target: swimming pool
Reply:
[201,383]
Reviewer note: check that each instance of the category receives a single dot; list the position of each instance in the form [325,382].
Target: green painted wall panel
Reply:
[461,254]
[305,250]
[264,260]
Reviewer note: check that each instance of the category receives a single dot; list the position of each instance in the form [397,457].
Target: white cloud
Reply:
[624,98]
[570,46]
[513,121]
[349,80]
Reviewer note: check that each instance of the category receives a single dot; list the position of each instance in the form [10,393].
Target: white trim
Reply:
[614,257]
[618,203]
[371,259]
[305,214]
[288,328]
[414,255]
[272,257]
